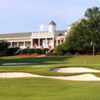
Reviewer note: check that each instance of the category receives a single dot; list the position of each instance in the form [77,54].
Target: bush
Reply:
[2,55]
[25,51]
[51,54]
[68,53]
[97,53]
[76,53]
[59,48]
[11,51]
[89,53]
[60,53]
[38,51]
[44,50]
[30,51]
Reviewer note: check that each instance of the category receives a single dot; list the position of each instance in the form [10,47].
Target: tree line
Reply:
[85,32]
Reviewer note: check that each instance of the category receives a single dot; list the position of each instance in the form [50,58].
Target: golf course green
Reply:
[34,88]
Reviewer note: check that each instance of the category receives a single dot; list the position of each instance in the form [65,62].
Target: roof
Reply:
[61,32]
[16,35]
[78,20]
[52,23]
[27,34]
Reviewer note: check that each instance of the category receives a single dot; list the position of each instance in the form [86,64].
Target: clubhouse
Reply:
[41,39]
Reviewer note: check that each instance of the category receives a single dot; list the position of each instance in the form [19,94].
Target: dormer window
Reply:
[59,34]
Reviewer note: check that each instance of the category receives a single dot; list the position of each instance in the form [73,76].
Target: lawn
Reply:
[48,89]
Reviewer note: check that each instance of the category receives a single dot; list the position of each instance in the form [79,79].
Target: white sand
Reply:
[16,74]
[83,77]
[18,63]
[74,70]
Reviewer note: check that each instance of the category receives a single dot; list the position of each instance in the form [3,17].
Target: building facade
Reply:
[42,39]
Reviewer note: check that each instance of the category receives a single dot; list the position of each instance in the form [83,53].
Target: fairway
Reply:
[44,88]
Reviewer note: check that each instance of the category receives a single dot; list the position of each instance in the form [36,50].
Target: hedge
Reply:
[51,54]
[38,51]
[11,51]
[30,51]
[44,50]
[25,51]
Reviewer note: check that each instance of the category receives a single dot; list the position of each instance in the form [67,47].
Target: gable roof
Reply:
[52,23]
[15,35]
[78,21]
[61,32]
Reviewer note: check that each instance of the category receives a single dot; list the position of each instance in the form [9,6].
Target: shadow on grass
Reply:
[40,60]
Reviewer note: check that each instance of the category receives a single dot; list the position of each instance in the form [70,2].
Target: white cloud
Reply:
[43,28]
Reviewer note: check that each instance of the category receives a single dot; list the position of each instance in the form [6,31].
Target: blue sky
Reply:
[35,15]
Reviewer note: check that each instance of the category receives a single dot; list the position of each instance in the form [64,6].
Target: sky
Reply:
[34,15]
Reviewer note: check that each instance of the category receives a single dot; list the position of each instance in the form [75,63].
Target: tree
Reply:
[3,45]
[86,32]
[78,36]
[93,25]
[59,49]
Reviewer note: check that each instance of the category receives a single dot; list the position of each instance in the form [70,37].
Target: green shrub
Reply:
[89,53]
[97,53]
[11,51]
[59,48]
[51,54]
[76,53]
[60,53]
[2,55]
[30,51]
[68,53]
[25,51]
[38,51]
[44,50]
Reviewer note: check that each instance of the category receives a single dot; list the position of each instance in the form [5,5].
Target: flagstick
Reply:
[84,60]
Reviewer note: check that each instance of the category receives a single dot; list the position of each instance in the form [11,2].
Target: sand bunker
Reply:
[16,74]
[74,70]
[18,63]
[83,77]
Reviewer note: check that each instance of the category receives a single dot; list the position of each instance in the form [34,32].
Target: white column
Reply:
[53,41]
[24,44]
[45,41]
[31,43]
[60,41]
[64,39]
[39,42]
[56,41]
[17,44]
[11,44]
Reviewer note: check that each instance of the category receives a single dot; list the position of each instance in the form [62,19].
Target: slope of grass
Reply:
[47,89]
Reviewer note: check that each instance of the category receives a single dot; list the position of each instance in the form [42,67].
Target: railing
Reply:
[18,51]
[40,46]
[41,33]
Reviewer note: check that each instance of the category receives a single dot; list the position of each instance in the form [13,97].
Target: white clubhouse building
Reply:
[42,39]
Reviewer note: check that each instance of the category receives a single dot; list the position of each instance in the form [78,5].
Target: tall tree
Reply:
[87,31]
[93,25]
[77,37]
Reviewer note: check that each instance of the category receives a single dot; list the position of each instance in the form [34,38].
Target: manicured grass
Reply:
[44,88]
[48,89]
[48,63]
